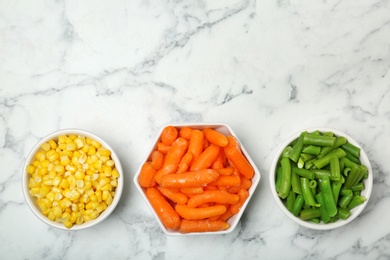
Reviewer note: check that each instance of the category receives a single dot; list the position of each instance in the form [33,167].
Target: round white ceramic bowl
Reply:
[321,226]
[32,201]
[234,220]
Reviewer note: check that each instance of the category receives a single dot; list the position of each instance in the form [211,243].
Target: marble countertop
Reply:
[123,69]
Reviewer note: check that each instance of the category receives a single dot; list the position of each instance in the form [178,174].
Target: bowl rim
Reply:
[236,218]
[321,226]
[32,203]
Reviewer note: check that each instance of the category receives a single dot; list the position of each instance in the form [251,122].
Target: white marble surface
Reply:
[122,69]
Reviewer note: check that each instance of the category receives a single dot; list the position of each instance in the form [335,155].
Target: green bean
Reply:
[334,168]
[315,220]
[320,173]
[307,193]
[320,163]
[297,148]
[286,152]
[298,204]
[310,213]
[285,184]
[362,172]
[296,183]
[313,184]
[303,172]
[290,201]
[311,149]
[345,199]
[319,140]
[356,201]
[339,142]
[346,170]
[343,213]
[354,150]
[324,213]
[327,194]
[278,178]
[358,187]
[352,157]
[336,187]
[352,176]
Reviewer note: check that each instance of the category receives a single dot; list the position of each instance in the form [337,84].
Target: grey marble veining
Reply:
[123,69]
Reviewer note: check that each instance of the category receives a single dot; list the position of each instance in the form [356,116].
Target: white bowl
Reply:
[32,201]
[234,220]
[354,212]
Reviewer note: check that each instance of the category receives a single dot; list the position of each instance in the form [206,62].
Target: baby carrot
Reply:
[220,162]
[168,216]
[239,161]
[185,163]
[206,158]
[163,148]
[243,194]
[227,180]
[225,171]
[225,216]
[189,226]
[157,159]
[215,137]
[245,183]
[185,132]
[232,141]
[146,176]
[192,191]
[188,179]
[189,213]
[195,145]
[169,135]
[216,196]
[175,196]
[173,158]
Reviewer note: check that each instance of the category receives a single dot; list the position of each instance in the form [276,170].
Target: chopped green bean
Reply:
[339,142]
[356,201]
[278,178]
[286,152]
[297,148]
[345,199]
[290,201]
[296,183]
[285,184]
[307,193]
[319,140]
[343,213]
[324,213]
[336,187]
[354,150]
[310,213]
[334,168]
[358,187]
[320,163]
[311,149]
[298,204]
[303,172]
[327,194]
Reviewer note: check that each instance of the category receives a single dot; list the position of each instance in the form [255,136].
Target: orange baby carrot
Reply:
[185,132]
[199,213]
[192,191]
[215,137]
[225,171]
[245,183]
[157,159]
[189,226]
[168,216]
[225,216]
[169,135]
[163,148]
[206,158]
[173,158]
[188,179]
[216,196]
[243,194]
[195,145]
[232,141]
[146,176]
[240,162]
[227,180]
[220,162]
[175,196]
[185,163]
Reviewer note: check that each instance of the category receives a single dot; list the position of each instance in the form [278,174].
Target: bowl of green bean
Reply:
[321,178]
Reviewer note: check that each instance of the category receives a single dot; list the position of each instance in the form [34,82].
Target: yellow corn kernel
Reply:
[114,183]
[42,171]
[62,146]
[115,173]
[44,190]
[109,199]
[61,139]
[42,205]
[51,215]
[105,152]
[104,181]
[64,184]
[107,170]
[79,143]
[91,150]
[53,145]
[110,163]
[35,163]
[52,155]
[94,215]
[96,144]
[66,216]
[74,195]
[37,178]
[59,168]
[30,169]
[72,146]
[40,156]
[98,165]
[45,146]
[84,198]
[98,194]
[80,220]
[64,160]
[88,141]
[107,186]
[101,207]
[68,224]
[68,140]
[72,181]
[79,175]
[57,181]
[79,183]
[87,183]
[57,212]
[58,196]
[50,196]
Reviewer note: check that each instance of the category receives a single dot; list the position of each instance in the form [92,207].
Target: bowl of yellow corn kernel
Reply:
[72,179]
